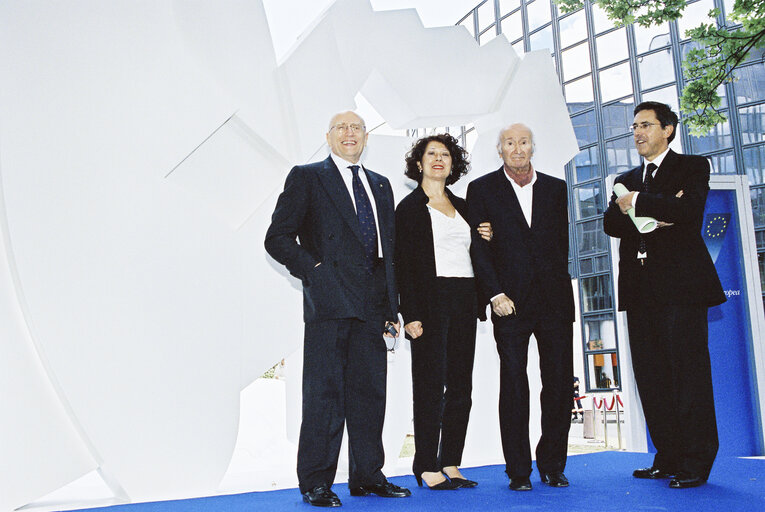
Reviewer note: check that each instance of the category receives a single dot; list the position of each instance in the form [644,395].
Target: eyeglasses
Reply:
[642,126]
[354,128]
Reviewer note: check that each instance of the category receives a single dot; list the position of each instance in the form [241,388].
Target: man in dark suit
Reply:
[342,215]
[666,283]
[523,270]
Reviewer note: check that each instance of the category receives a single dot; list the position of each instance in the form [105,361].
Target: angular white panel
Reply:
[233,172]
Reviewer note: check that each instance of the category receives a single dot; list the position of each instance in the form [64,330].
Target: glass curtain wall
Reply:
[604,72]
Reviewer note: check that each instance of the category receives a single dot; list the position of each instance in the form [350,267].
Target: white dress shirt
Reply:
[451,244]
[525,194]
[345,172]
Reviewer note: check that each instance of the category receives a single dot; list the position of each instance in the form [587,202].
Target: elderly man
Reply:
[524,272]
[666,283]
[333,229]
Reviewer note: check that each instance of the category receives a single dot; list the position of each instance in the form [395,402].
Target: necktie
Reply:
[647,182]
[366,219]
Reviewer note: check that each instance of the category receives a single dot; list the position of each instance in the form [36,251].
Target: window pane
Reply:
[576,61]
[600,20]
[621,155]
[617,117]
[612,47]
[518,47]
[585,128]
[486,15]
[512,27]
[754,163]
[750,83]
[694,15]
[599,333]
[615,82]
[752,123]
[579,95]
[758,207]
[667,95]
[595,264]
[538,13]
[656,69]
[596,293]
[604,370]
[591,238]
[588,201]
[724,163]
[505,6]
[647,39]
[542,39]
[760,237]
[573,28]
[586,164]
[718,137]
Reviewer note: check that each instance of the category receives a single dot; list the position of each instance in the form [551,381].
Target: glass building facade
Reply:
[604,72]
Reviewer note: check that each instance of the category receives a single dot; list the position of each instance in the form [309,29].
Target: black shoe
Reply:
[556,479]
[385,490]
[520,483]
[321,496]
[463,482]
[652,473]
[685,480]
[446,485]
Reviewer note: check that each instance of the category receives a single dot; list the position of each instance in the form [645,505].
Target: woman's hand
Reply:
[484,229]
[414,329]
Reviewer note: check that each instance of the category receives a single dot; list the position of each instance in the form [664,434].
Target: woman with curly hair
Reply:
[439,304]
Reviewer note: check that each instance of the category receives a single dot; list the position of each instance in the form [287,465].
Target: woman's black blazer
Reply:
[415,258]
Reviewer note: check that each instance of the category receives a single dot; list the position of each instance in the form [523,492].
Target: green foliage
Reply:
[717,52]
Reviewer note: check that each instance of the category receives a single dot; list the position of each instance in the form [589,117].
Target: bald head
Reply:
[347,136]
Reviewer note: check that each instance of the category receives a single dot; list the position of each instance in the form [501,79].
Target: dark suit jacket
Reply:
[316,208]
[520,257]
[415,256]
[681,270]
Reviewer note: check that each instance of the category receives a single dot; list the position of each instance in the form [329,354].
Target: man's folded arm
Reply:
[685,209]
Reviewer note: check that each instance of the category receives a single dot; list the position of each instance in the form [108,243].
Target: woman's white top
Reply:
[451,244]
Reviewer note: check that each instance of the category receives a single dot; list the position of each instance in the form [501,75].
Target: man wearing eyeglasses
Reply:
[667,280]
[333,229]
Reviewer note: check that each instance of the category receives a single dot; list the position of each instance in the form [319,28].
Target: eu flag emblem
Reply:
[713,231]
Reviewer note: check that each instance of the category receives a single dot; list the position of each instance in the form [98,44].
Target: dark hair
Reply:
[663,113]
[460,157]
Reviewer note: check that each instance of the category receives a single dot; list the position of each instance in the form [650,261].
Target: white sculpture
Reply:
[142,146]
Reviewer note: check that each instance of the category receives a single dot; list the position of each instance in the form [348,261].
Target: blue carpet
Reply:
[599,482]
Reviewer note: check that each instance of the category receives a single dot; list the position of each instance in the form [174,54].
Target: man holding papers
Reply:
[666,283]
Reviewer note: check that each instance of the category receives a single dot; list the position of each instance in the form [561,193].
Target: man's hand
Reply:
[625,202]
[484,229]
[503,306]
[414,329]
[661,223]
[396,326]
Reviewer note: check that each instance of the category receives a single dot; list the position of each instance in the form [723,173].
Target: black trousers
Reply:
[670,358]
[442,375]
[344,378]
[555,342]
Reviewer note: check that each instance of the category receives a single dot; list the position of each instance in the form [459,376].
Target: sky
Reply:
[289,18]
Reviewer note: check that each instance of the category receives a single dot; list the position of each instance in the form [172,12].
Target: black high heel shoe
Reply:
[446,485]
[463,482]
